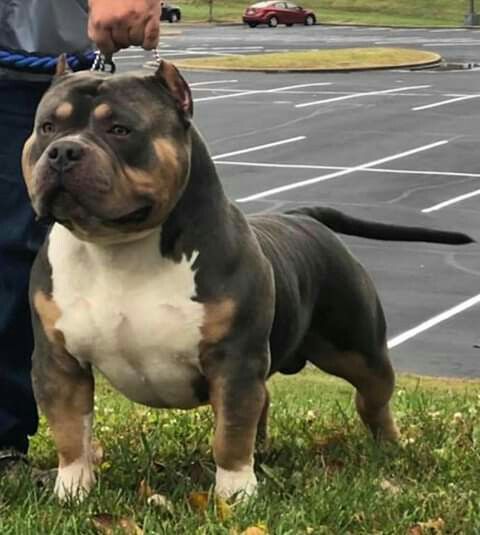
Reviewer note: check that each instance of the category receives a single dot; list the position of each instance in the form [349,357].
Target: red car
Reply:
[275,13]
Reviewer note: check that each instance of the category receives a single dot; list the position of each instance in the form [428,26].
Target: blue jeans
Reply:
[20,239]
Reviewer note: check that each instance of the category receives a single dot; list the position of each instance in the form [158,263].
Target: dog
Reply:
[153,277]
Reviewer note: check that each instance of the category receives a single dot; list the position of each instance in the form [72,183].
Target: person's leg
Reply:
[20,238]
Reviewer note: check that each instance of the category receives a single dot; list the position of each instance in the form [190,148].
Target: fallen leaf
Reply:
[199,502]
[224,511]
[144,490]
[359,517]
[436,525]
[161,501]
[430,526]
[389,487]
[256,530]
[107,524]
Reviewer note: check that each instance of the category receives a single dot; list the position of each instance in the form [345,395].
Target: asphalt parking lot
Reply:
[395,146]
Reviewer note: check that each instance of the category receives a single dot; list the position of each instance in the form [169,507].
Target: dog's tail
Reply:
[345,224]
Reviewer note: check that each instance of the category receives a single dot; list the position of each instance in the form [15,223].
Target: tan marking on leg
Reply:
[64,111]
[49,314]
[65,395]
[102,111]
[75,471]
[27,166]
[236,421]
[374,388]
[64,392]
[218,320]
[67,424]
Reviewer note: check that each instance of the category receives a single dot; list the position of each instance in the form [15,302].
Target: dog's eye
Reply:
[47,127]
[119,130]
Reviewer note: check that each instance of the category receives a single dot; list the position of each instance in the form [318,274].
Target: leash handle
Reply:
[103,63]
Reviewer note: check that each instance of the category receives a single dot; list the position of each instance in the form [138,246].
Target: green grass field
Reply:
[378,12]
[322,474]
[332,59]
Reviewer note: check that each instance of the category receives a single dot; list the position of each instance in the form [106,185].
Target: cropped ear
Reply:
[176,85]
[62,66]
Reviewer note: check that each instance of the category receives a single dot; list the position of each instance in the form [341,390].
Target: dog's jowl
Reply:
[153,277]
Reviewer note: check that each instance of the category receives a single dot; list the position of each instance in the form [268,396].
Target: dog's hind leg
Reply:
[371,375]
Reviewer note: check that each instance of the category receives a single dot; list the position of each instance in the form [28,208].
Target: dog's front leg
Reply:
[64,392]
[238,401]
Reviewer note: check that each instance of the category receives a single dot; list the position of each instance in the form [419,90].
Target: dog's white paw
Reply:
[74,481]
[241,483]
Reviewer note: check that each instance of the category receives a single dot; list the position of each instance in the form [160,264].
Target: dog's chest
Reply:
[130,313]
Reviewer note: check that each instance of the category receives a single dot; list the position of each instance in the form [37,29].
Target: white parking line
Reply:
[469,43]
[443,102]
[203,48]
[343,172]
[120,58]
[258,91]
[259,147]
[195,84]
[448,30]
[397,340]
[357,95]
[341,168]
[449,202]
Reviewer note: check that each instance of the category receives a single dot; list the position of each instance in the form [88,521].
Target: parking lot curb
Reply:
[425,64]
[336,24]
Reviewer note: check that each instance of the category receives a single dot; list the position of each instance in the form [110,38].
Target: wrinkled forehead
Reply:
[131,98]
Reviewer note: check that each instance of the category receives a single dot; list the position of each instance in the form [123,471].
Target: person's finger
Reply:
[151,33]
[102,37]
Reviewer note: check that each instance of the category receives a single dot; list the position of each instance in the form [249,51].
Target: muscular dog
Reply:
[153,277]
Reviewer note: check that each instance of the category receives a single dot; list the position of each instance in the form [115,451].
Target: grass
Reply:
[334,59]
[377,12]
[322,474]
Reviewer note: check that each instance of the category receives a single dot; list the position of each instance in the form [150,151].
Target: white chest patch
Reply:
[129,312]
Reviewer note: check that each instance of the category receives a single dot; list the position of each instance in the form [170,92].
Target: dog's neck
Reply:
[201,209]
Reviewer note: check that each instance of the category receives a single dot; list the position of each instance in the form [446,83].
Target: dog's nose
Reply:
[64,155]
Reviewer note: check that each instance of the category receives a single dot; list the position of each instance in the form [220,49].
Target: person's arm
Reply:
[115,24]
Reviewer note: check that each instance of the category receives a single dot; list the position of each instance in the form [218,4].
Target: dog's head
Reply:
[109,156]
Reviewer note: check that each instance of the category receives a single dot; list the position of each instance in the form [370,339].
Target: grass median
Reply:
[322,473]
[343,59]
[375,12]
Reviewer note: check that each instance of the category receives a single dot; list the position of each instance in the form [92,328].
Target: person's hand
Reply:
[115,24]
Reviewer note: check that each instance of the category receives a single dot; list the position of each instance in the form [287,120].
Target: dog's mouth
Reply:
[138,215]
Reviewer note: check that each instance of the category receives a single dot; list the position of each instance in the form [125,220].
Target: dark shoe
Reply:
[15,465]
[10,459]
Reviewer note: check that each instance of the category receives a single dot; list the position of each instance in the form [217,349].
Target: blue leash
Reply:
[44,64]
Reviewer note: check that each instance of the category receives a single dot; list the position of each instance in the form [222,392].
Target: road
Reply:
[397,146]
